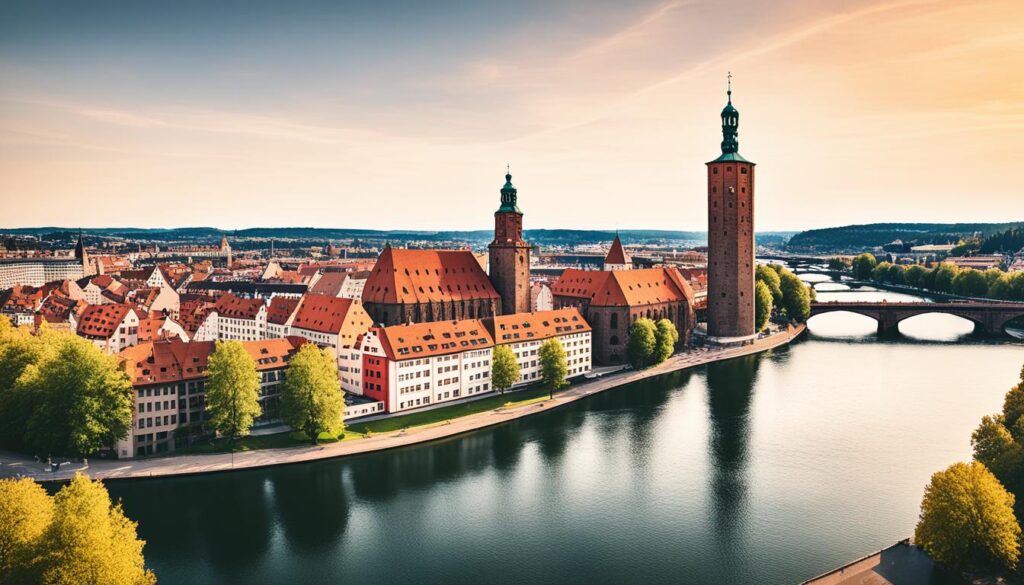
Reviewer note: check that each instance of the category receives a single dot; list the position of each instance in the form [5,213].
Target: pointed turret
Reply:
[617,259]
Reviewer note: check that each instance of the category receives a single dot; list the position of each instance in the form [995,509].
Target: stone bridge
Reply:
[990,318]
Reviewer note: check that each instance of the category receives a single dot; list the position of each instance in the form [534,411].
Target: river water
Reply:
[766,469]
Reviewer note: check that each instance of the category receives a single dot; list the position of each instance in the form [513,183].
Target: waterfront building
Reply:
[331,322]
[617,259]
[509,254]
[409,366]
[169,384]
[612,300]
[524,333]
[731,264]
[416,286]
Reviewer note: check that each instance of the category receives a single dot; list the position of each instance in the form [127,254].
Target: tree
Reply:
[20,348]
[994,446]
[770,277]
[913,275]
[25,512]
[641,344]
[967,519]
[881,272]
[895,274]
[928,279]
[311,398]
[944,275]
[863,265]
[795,297]
[1013,405]
[666,336]
[837,263]
[763,303]
[232,390]
[504,368]
[91,541]
[80,400]
[970,283]
[554,366]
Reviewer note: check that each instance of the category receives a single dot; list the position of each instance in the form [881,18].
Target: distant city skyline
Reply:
[404,115]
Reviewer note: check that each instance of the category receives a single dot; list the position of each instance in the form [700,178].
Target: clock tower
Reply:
[509,254]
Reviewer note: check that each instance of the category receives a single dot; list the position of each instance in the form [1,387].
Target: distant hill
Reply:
[853,238]
[322,235]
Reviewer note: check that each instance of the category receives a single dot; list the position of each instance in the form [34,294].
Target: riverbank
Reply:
[15,465]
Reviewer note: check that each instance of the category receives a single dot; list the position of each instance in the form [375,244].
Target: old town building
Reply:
[509,254]
[617,259]
[612,300]
[524,333]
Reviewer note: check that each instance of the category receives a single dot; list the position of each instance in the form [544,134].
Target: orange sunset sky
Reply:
[403,115]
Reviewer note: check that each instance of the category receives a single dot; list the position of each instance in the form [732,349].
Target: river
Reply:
[766,469]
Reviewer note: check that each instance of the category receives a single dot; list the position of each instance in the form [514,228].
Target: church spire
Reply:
[730,124]
[509,194]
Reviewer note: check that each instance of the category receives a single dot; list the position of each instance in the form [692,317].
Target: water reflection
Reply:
[311,505]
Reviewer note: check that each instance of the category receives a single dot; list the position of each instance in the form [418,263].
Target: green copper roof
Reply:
[509,195]
[731,157]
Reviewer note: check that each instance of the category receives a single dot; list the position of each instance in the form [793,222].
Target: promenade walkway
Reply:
[12,465]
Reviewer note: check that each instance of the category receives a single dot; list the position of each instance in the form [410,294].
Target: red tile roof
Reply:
[228,305]
[332,315]
[165,361]
[329,284]
[616,254]
[421,276]
[101,321]
[419,340]
[536,326]
[280,309]
[624,287]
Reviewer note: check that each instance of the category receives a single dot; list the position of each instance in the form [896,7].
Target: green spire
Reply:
[509,195]
[730,129]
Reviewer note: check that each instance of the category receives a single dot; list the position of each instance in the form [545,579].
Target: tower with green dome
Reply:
[509,254]
[730,311]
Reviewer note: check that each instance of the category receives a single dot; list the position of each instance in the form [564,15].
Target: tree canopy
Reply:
[232,390]
[967,519]
[311,398]
[554,365]
[642,342]
[796,297]
[770,277]
[763,303]
[504,368]
[76,537]
[666,336]
[863,265]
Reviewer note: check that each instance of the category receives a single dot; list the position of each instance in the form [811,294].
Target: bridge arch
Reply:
[988,318]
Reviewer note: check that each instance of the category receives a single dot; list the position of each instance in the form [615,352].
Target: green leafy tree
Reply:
[796,297]
[837,263]
[666,336]
[863,265]
[504,368]
[91,541]
[913,275]
[967,519]
[970,283]
[554,365]
[944,275]
[770,277]
[881,272]
[642,342]
[20,348]
[311,398]
[232,390]
[81,401]
[895,274]
[995,446]
[25,512]
[763,303]
[928,279]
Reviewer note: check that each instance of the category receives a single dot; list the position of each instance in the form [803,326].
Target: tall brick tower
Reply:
[510,254]
[730,237]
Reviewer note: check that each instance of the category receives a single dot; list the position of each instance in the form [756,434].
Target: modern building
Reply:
[731,264]
[509,254]
[611,301]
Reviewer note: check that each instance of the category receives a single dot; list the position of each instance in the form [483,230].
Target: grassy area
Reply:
[359,430]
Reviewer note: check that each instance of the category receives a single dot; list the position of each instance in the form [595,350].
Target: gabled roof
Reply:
[332,315]
[624,287]
[228,305]
[280,309]
[536,326]
[330,284]
[159,362]
[422,276]
[102,321]
[419,340]
[617,254]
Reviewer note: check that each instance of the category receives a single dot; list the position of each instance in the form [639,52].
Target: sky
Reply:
[403,115]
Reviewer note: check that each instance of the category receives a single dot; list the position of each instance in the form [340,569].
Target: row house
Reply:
[524,333]
[280,313]
[415,365]
[169,383]
[112,327]
[240,319]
